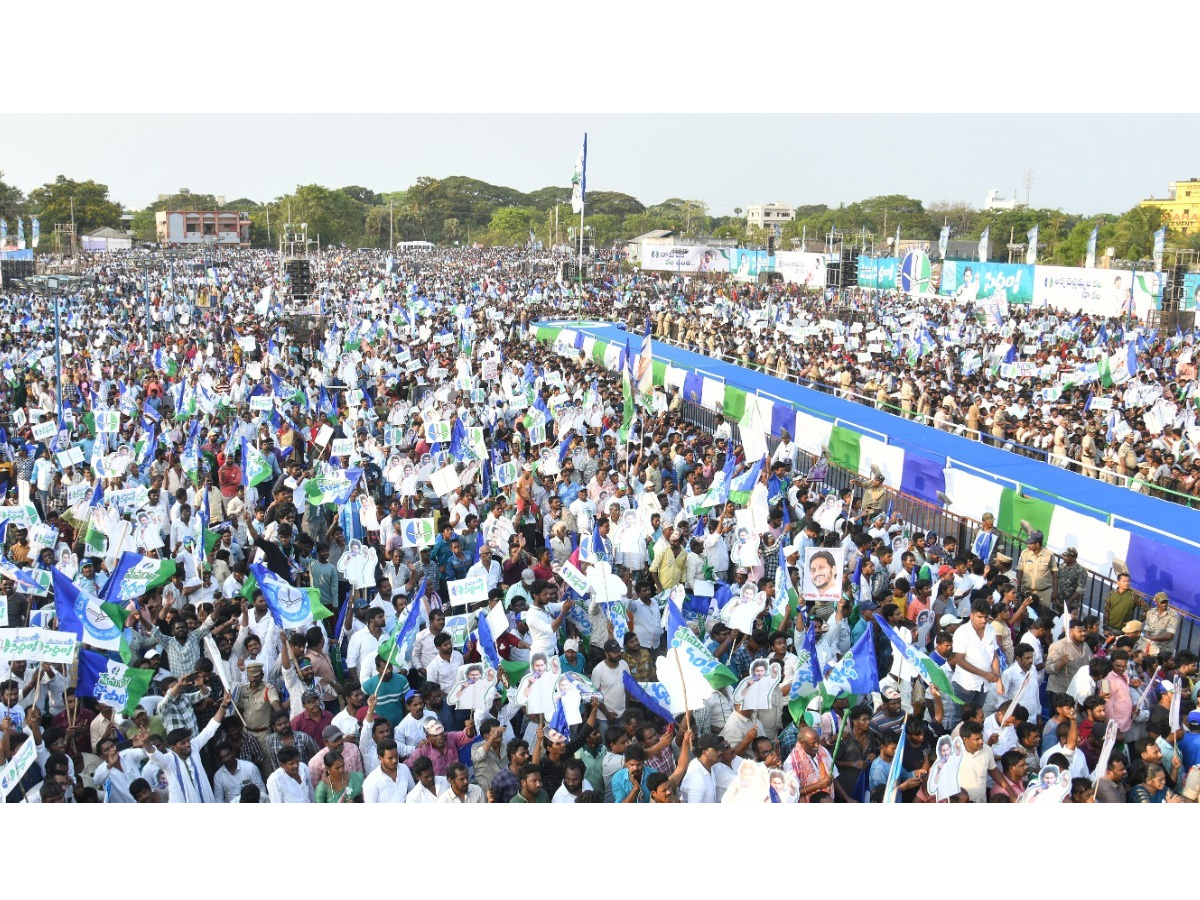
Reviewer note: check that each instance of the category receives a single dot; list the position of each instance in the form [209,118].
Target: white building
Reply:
[995,201]
[768,215]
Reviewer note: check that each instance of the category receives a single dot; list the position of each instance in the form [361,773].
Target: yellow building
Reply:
[1181,207]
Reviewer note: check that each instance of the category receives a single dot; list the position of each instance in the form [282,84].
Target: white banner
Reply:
[1102,292]
[468,590]
[684,260]
[807,269]
[36,645]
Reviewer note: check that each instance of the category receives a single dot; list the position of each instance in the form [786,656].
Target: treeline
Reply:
[465,210]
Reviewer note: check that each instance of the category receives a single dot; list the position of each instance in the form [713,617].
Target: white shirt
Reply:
[698,784]
[114,783]
[1010,680]
[379,787]
[421,794]
[542,636]
[647,622]
[227,786]
[474,795]
[361,653]
[977,651]
[609,682]
[492,574]
[1079,767]
[283,788]
[186,781]
[444,671]
[562,795]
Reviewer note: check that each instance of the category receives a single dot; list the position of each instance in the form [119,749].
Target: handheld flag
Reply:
[289,605]
[653,704]
[255,468]
[930,672]
[110,682]
[679,635]
[81,615]
[889,792]
[857,671]
[397,645]
[487,642]
[136,575]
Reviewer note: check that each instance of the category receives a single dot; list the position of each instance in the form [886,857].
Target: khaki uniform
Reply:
[906,400]
[1037,572]
[874,500]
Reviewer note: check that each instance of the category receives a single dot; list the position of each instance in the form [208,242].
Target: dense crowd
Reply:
[402,552]
[1040,383]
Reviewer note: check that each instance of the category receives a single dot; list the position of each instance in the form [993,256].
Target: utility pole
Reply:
[391,225]
[268,225]
[73,252]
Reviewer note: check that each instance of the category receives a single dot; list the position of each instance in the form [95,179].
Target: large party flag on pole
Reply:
[807,680]
[681,636]
[110,682]
[579,180]
[930,672]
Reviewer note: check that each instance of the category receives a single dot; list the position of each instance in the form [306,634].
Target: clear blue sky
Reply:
[1085,163]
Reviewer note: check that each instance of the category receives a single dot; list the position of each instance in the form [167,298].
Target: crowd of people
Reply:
[1035,383]
[402,552]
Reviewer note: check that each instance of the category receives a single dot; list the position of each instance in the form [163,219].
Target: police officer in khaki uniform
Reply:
[874,497]
[1037,570]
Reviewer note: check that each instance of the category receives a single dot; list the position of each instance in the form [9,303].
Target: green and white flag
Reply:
[112,683]
[136,575]
[255,468]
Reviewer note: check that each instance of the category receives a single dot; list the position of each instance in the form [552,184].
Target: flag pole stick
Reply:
[683,681]
[838,743]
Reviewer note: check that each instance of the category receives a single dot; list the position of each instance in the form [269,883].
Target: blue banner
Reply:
[747,264]
[877,273]
[969,281]
[1191,290]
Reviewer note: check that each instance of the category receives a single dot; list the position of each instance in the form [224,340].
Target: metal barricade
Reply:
[926,517]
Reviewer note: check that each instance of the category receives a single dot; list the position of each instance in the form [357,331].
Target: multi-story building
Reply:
[1181,206]
[768,215]
[189,226]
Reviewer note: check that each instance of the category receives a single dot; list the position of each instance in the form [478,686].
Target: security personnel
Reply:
[1037,570]
[874,497]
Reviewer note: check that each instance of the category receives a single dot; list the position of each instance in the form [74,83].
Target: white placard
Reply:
[323,436]
[44,430]
[261,403]
[342,447]
[575,579]
[444,481]
[465,591]
[72,456]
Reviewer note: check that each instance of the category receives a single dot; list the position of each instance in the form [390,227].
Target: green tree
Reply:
[365,196]
[452,230]
[185,199]
[143,225]
[510,225]
[611,203]
[958,214]
[52,203]
[333,215]
[1134,235]
[12,203]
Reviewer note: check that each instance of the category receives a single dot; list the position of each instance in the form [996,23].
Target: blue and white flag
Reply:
[1090,262]
[1160,239]
[1031,250]
[857,671]
[893,779]
[983,244]
[20,233]
[289,605]
[81,615]
[487,641]
[943,241]
[808,667]
[36,232]
[652,694]
[579,180]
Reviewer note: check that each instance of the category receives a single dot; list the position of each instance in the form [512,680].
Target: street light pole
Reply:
[52,288]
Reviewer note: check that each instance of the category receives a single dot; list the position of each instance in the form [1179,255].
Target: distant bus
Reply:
[415,246]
